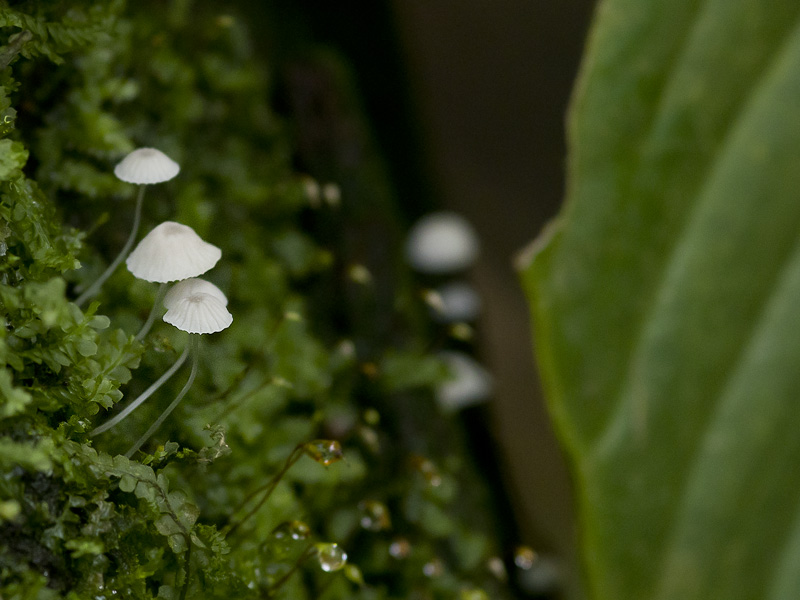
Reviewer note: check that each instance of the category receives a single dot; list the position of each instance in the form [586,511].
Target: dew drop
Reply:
[311,190]
[294,530]
[497,568]
[400,548]
[375,515]
[325,452]
[346,348]
[332,194]
[524,557]
[428,470]
[331,557]
[433,568]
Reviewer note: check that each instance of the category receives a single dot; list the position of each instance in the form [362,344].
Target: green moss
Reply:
[87,84]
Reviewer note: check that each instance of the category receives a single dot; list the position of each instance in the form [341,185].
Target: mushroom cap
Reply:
[199,312]
[146,165]
[194,285]
[470,383]
[442,242]
[171,252]
[459,302]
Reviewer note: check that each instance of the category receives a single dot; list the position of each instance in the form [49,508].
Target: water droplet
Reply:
[295,530]
[433,568]
[524,557]
[428,470]
[346,348]
[312,191]
[332,194]
[375,515]
[285,536]
[497,568]
[400,548]
[331,557]
[325,452]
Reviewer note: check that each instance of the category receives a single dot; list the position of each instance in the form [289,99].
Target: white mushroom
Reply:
[146,166]
[198,312]
[191,286]
[470,383]
[142,166]
[172,252]
[442,242]
[458,301]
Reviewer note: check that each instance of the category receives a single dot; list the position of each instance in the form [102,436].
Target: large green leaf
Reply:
[666,298]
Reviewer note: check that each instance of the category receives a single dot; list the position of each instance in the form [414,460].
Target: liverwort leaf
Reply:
[665,300]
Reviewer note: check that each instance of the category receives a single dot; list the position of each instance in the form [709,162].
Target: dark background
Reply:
[467,100]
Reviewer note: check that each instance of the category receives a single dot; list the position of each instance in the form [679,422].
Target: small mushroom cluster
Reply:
[174,252]
[442,246]
[141,167]
[171,252]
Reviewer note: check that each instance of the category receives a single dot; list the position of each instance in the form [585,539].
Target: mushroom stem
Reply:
[144,396]
[162,290]
[194,343]
[95,287]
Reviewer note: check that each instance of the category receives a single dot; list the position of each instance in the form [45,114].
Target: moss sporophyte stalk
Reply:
[280,466]
[197,307]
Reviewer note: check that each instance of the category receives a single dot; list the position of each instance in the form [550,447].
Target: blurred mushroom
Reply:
[442,242]
[470,382]
[458,301]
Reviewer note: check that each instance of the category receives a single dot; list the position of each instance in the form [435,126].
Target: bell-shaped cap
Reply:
[458,302]
[172,252]
[198,312]
[469,382]
[146,165]
[194,285]
[442,242]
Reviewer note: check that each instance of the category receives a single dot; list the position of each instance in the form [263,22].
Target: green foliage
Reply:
[245,488]
[664,298]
